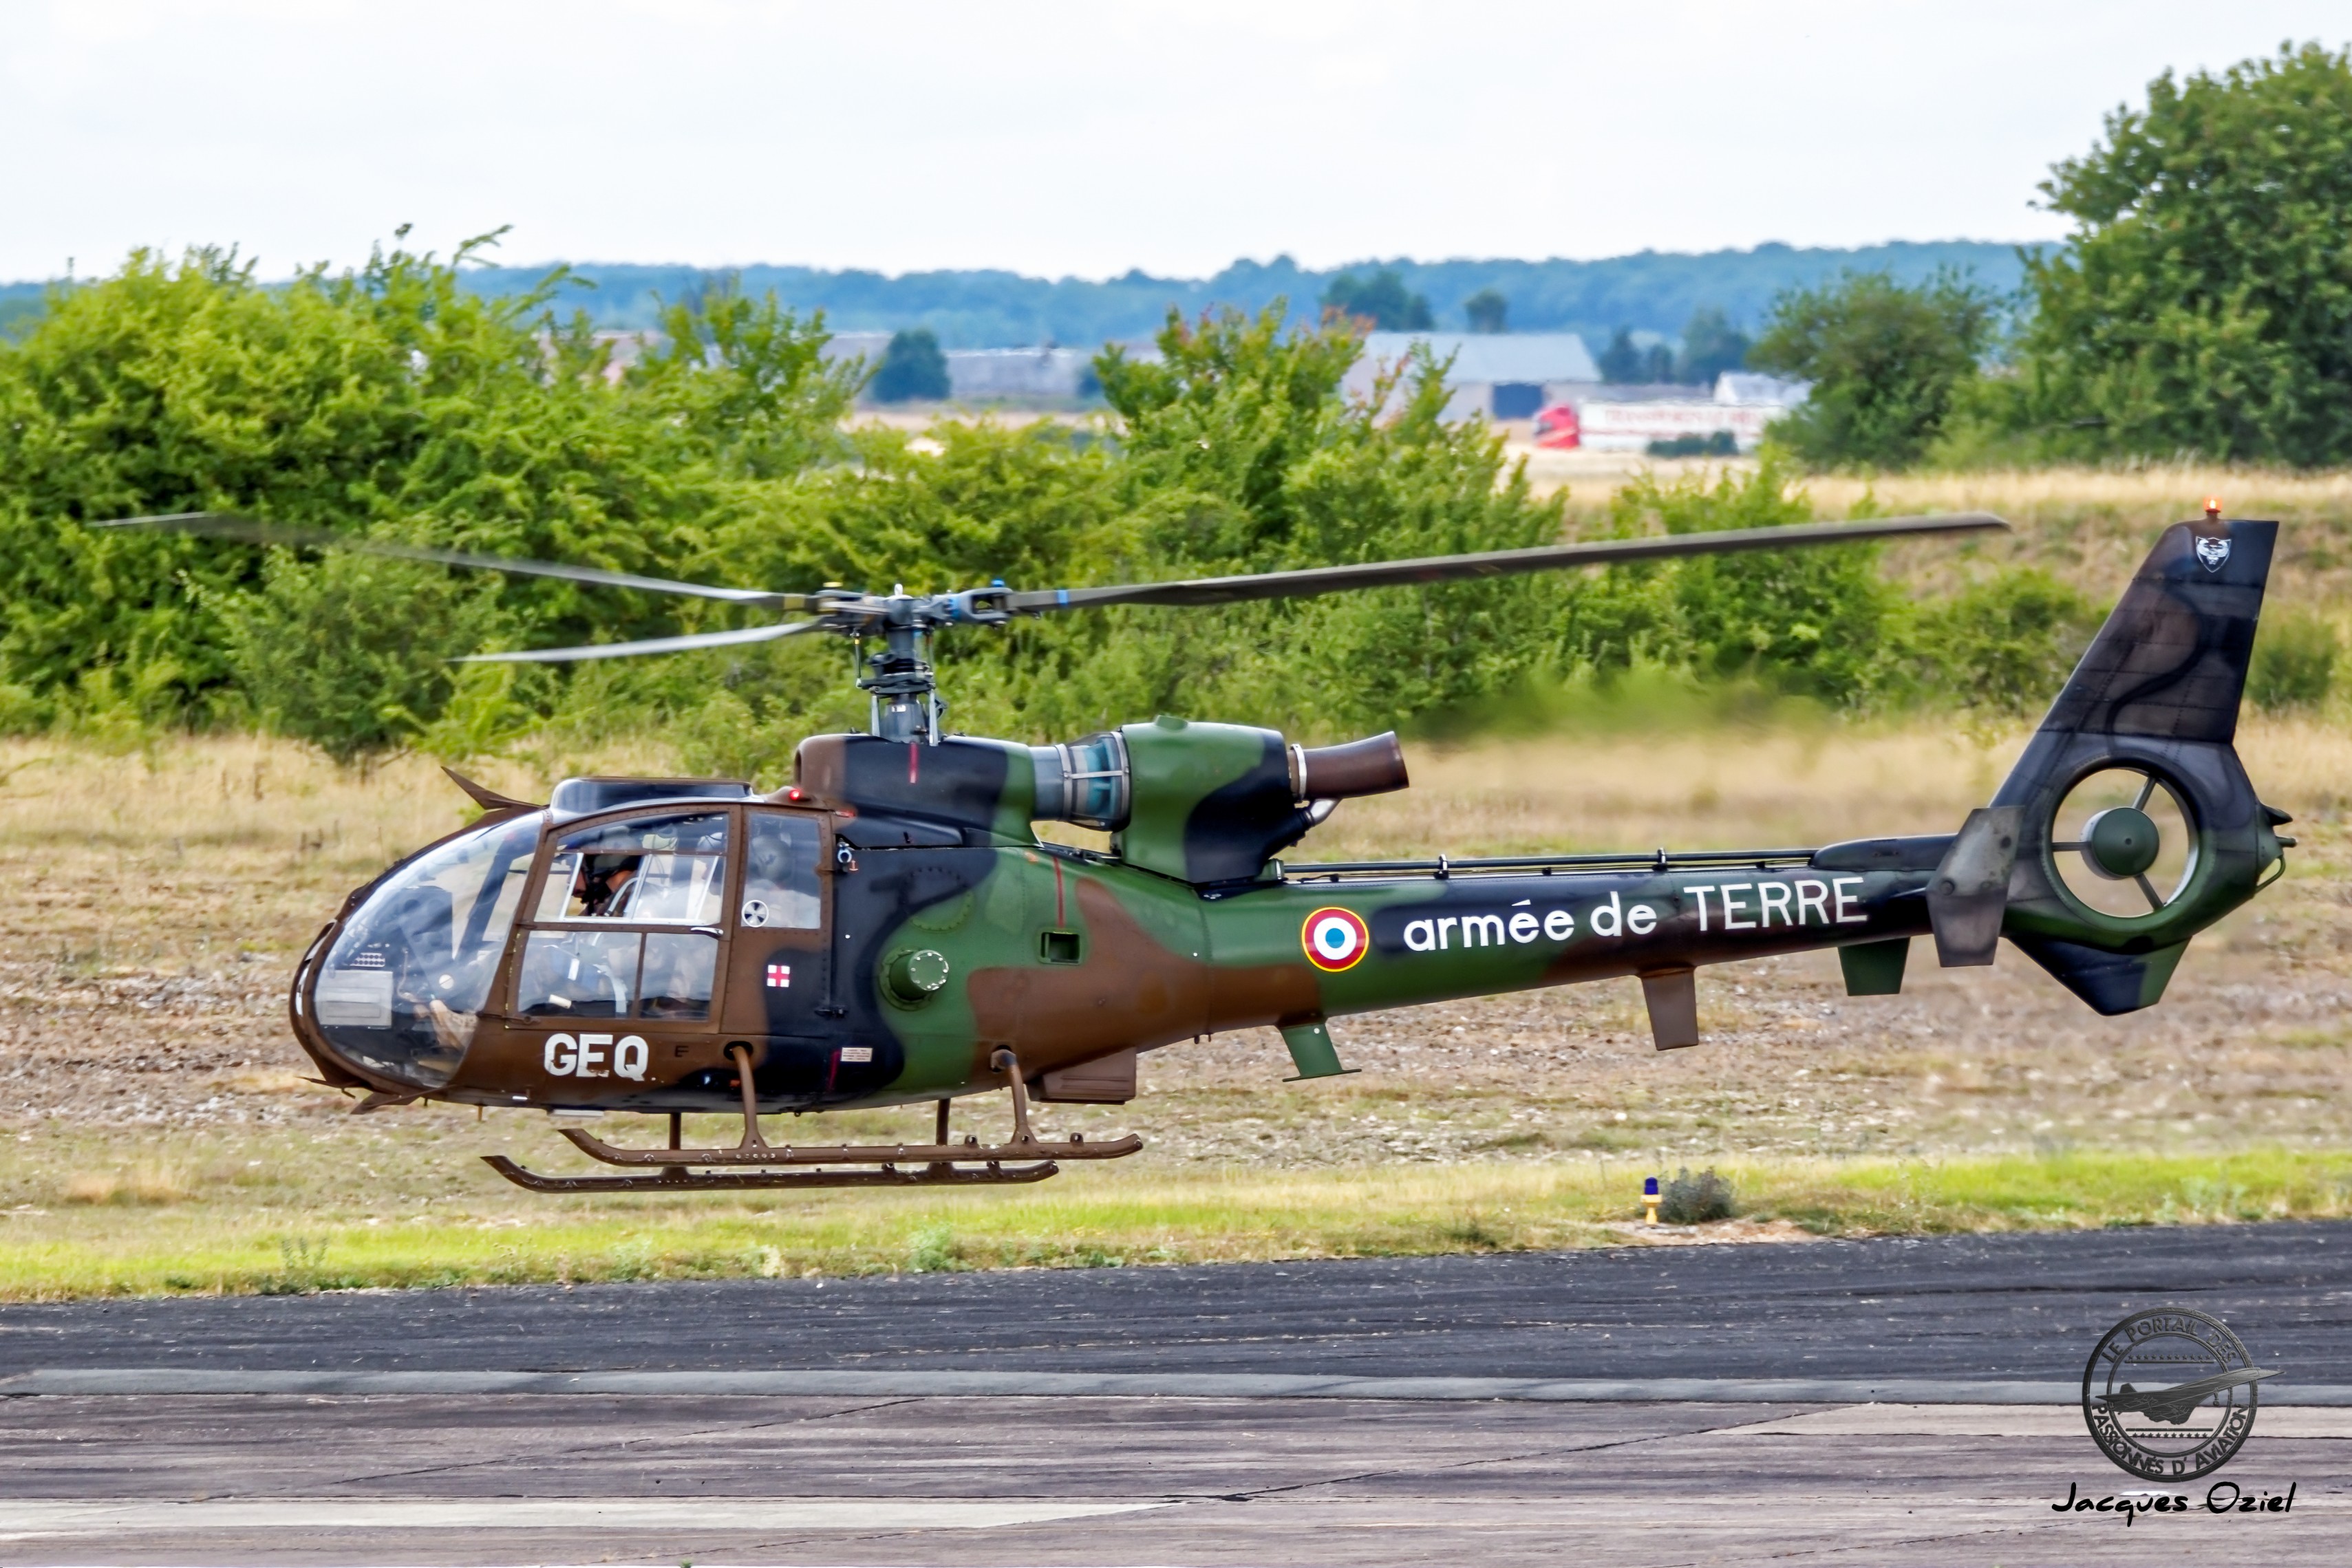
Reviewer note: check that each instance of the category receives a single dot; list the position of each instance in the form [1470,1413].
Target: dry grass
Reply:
[2156,489]
[2089,526]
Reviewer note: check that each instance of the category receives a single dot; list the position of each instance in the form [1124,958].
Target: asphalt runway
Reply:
[2025,1306]
[1071,1417]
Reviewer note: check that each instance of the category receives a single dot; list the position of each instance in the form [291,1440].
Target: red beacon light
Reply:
[2213,507]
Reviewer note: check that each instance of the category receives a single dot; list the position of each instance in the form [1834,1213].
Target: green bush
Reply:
[1696,1199]
[388,401]
[1803,622]
[1625,362]
[2005,644]
[2295,654]
[351,655]
[387,398]
[1714,443]
[1711,345]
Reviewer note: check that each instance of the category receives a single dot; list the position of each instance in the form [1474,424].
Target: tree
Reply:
[912,367]
[1887,362]
[387,399]
[1711,345]
[1486,310]
[1626,362]
[2204,301]
[1381,300]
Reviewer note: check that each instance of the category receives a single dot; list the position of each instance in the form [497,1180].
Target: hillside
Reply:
[978,309]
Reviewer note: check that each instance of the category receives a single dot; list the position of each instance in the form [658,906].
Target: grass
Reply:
[211,1241]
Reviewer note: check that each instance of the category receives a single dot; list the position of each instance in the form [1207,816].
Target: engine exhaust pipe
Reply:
[1371,767]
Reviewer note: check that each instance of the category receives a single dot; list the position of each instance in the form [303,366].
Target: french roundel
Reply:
[1335,939]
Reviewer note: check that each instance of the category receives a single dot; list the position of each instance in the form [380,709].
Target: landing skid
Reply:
[674,1180]
[935,1163]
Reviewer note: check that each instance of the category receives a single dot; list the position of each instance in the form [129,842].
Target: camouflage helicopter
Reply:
[889,929]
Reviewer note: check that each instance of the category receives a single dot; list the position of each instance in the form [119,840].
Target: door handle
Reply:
[707,931]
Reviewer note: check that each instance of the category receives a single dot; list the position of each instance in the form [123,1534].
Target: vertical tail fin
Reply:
[2171,662]
[2156,696]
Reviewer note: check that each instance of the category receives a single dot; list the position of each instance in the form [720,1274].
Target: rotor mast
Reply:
[902,687]
[900,681]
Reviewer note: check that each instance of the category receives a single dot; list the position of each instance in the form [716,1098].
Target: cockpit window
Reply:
[654,871]
[401,989]
[780,887]
[591,974]
[645,871]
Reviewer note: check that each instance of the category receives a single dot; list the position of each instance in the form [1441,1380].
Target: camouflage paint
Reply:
[931,865]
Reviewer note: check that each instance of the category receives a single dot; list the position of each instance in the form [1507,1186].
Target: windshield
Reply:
[401,989]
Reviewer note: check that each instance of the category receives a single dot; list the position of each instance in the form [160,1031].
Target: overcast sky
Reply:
[1056,138]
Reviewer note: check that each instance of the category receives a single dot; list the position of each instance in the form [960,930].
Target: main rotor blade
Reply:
[253,531]
[647,645]
[1302,584]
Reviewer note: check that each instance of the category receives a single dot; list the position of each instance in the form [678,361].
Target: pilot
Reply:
[605,894]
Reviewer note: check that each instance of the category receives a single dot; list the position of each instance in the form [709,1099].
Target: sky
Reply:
[1062,138]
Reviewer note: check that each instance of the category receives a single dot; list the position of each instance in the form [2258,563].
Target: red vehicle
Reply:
[1557,426]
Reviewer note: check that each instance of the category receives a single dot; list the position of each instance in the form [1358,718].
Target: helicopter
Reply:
[889,929]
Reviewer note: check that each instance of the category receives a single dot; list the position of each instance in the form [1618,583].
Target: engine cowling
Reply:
[1205,803]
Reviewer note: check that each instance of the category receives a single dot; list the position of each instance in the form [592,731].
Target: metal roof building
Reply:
[1503,375]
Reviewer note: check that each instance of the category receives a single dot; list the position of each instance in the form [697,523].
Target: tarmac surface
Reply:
[2018,1306]
[1090,1417]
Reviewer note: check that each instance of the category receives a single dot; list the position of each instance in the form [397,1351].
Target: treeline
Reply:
[2202,308]
[394,401]
[1648,293]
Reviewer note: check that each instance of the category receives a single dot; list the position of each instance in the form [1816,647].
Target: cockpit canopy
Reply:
[625,921]
[398,993]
